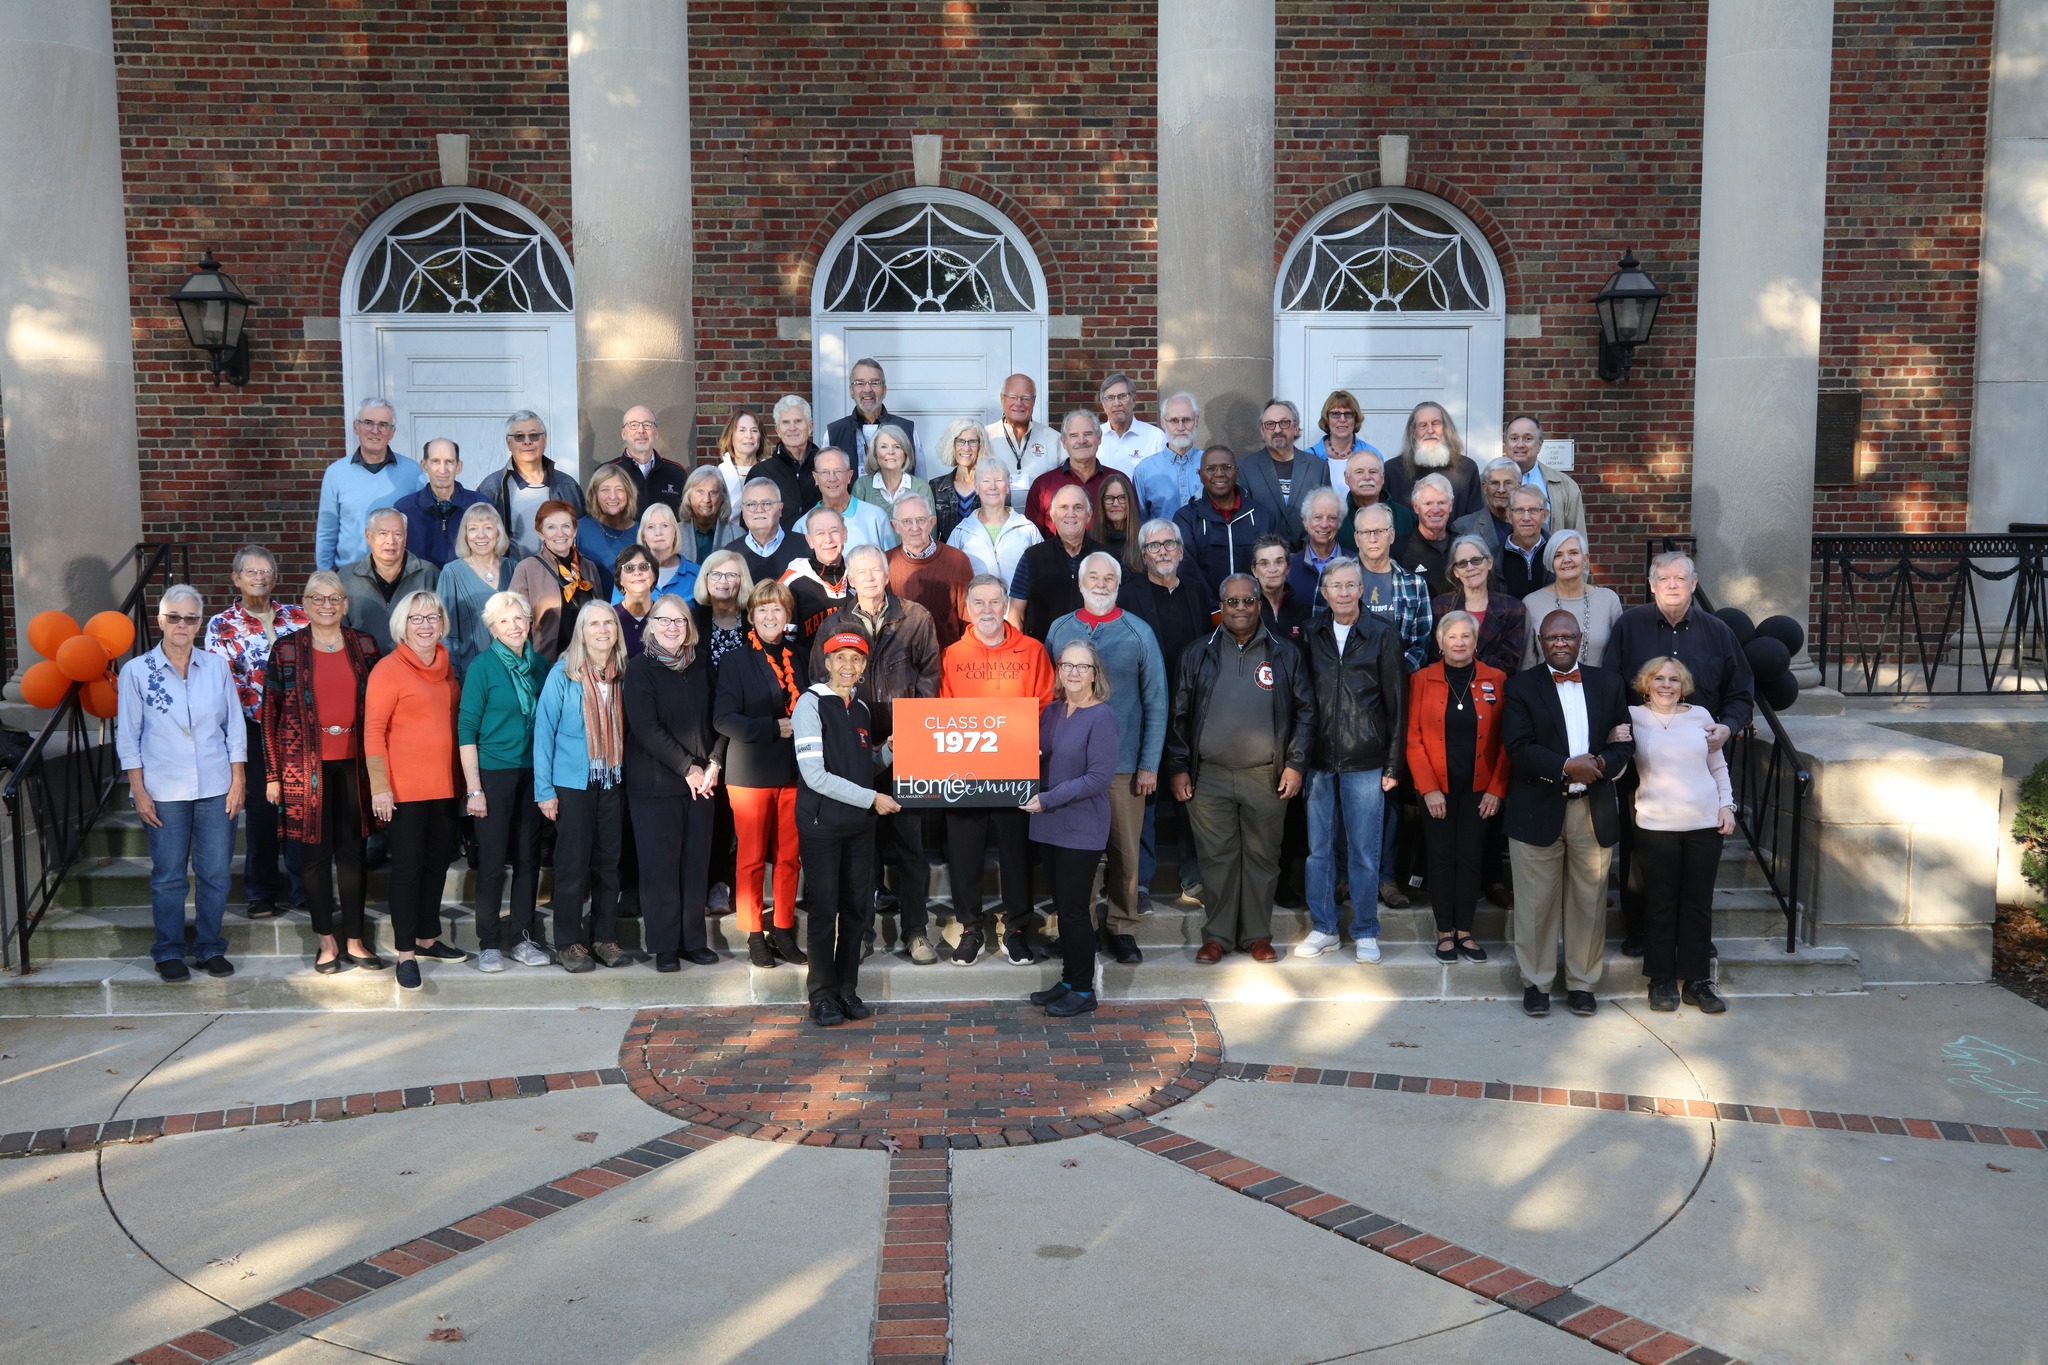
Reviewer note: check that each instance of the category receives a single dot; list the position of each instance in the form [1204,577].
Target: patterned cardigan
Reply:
[291,730]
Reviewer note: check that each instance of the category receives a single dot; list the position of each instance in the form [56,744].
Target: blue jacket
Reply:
[1137,672]
[561,754]
[1218,545]
[429,533]
[349,491]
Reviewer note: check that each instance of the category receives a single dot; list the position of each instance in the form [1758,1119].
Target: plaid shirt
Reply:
[1409,612]
[238,637]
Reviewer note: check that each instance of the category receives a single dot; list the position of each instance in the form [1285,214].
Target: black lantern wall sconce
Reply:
[215,312]
[1628,310]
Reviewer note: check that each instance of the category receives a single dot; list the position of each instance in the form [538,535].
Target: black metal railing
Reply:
[6,609]
[1953,615]
[60,786]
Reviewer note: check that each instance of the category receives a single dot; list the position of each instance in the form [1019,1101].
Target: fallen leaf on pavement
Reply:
[586,1137]
[2002,1170]
[1070,1162]
[445,1334]
[1398,1043]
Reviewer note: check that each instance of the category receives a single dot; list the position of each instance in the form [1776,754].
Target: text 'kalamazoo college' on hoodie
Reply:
[1017,667]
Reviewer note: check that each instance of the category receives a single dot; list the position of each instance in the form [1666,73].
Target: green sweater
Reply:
[490,716]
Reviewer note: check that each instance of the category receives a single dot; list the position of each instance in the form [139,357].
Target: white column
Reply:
[1216,210]
[67,364]
[629,136]
[1763,218]
[2012,288]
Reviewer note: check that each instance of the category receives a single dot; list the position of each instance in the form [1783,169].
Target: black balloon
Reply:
[1768,658]
[1738,621]
[1781,692]
[1784,630]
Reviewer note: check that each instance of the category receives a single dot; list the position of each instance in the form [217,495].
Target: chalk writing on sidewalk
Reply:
[2003,1072]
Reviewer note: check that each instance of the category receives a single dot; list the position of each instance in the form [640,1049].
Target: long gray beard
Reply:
[1433,454]
[1100,606]
[1180,445]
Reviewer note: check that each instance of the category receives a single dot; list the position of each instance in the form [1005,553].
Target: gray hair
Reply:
[903,443]
[1496,462]
[832,450]
[1437,482]
[708,473]
[1341,562]
[866,551]
[1292,411]
[328,579]
[419,598]
[249,552]
[984,580]
[1558,538]
[499,605]
[1533,491]
[1107,558]
[657,511]
[1319,495]
[896,511]
[375,401]
[524,415]
[1111,380]
[381,514]
[1379,507]
[1670,557]
[1183,396]
[182,592]
[1366,453]
[955,429]
[761,481]
[790,402]
[1455,618]
[1155,526]
[1072,413]
[811,518]
[867,362]
[449,441]
[481,511]
[1468,539]
[989,464]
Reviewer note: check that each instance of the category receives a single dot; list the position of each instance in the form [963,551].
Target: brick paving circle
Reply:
[960,1074]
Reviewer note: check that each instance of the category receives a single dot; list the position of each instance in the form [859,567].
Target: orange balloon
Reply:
[114,630]
[82,658]
[43,686]
[101,698]
[49,630]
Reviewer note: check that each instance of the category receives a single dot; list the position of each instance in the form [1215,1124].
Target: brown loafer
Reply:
[1211,953]
[1501,894]
[1262,950]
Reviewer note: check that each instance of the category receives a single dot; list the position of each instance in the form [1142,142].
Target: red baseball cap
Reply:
[846,639]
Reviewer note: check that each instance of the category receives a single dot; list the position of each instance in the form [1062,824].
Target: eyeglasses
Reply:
[637,568]
[1280,425]
[756,505]
[179,619]
[1111,497]
[665,620]
[368,425]
[526,437]
[326,600]
[721,577]
[643,426]
[1569,637]
[1240,601]
[429,620]
[1377,531]
[1160,547]
[1468,563]
[1343,412]
[1066,667]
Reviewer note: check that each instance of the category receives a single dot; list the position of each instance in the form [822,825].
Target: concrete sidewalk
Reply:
[1682,1187]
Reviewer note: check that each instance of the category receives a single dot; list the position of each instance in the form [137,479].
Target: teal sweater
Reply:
[490,717]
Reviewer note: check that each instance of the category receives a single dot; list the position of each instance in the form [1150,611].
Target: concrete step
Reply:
[1407,972]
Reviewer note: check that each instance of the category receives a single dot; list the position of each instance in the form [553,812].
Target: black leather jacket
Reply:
[1360,696]
[1294,705]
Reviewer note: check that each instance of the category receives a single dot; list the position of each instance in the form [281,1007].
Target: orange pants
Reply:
[764,819]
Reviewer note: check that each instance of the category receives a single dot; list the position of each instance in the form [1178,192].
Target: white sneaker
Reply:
[1315,945]
[529,954]
[490,960]
[1368,950]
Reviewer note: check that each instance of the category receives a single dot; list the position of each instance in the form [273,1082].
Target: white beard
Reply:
[1433,454]
[1099,606]
[1180,445]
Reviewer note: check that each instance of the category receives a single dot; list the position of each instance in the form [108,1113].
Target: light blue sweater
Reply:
[349,491]
[1130,651]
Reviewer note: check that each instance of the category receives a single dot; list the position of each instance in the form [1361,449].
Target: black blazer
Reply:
[748,700]
[668,726]
[1532,731]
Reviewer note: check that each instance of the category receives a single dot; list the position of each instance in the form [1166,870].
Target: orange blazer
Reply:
[1428,696]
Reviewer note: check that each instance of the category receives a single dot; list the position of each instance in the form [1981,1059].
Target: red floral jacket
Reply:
[291,730]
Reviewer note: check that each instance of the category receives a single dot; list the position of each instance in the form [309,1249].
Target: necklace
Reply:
[1582,608]
[1461,700]
[784,670]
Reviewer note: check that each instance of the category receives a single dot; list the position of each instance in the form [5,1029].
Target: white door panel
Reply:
[463,381]
[1389,371]
[938,369]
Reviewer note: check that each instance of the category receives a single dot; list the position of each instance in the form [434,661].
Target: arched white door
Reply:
[945,292]
[458,306]
[1395,296]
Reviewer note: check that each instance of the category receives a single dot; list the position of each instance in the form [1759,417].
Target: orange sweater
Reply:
[1018,667]
[1428,694]
[409,726]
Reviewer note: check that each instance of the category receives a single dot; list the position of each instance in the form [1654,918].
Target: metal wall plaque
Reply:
[1838,432]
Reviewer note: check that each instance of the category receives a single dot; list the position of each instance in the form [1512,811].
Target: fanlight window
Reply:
[464,258]
[930,258]
[1386,258]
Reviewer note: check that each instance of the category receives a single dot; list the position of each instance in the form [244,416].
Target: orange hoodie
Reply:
[409,726]
[1018,667]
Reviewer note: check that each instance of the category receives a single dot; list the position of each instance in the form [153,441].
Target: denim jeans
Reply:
[1350,803]
[199,832]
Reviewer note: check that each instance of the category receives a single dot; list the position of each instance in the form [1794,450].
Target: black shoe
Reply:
[1288,898]
[368,961]
[668,962]
[825,1012]
[1018,948]
[442,951]
[758,951]
[1535,1002]
[703,957]
[1049,994]
[969,949]
[1447,950]
[1631,947]
[174,970]
[853,1007]
[1469,949]
[885,901]
[1072,1003]
[338,963]
[408,975]
[1125,946]
[783,941]
[217,966]
[1581,1003]
[1703,996]
[1663,996]
[264,909]
[867,947]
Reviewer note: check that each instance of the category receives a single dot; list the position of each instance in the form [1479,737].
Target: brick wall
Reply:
[798,117]
[275,134]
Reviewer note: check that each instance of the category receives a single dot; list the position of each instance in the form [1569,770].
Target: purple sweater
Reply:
[1079,753]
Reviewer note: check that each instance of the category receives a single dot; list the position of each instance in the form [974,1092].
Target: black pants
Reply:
[839,882]
[422,840]
[509,831]
[587,834]
[337,860]
[673,836]
[899,843]
[1454,843]
[262,848]
[1073,895]
[1630,854]
[967,837]
[1678,870]
[724,841]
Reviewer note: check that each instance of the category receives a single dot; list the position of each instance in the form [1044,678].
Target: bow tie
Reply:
[1558,677]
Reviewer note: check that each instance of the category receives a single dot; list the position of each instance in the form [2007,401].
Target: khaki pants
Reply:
[1562,887]
[1120,857]
[1237,816]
